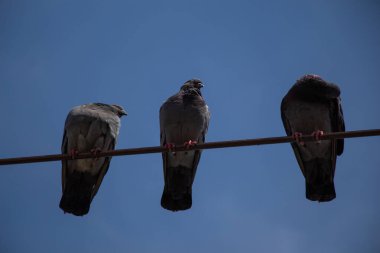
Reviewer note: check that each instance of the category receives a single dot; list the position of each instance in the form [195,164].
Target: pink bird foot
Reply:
[73,153]
[317,135]
[95,152]
[297,136]
[190,144]
[170,146]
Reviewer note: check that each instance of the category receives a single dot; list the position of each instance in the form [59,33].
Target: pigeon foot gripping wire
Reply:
[317,135]
[170,147]
[95,152]
[189,144]
[297,136]
[73,153]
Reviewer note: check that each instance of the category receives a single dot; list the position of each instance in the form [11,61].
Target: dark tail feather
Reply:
[319,180]
[176,202]
[321,193]
[177,191]
[76,198]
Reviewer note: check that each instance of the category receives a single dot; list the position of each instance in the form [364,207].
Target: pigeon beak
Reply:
[123,113]
[201,85]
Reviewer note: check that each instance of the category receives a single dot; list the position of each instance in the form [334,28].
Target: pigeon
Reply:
[88,128]
[313,106]
[184,120]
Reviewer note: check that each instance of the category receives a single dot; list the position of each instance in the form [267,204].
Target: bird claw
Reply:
[73,153]
[317,135]
[297,136]
[170,146]
[190,144]
[95,152]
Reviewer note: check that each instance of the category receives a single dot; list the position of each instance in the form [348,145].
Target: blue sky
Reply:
[58,54]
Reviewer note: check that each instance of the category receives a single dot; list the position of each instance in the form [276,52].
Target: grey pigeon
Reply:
[184,120]
[313,106]
[88,128]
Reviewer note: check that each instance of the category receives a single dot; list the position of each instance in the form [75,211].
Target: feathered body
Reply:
[313,104]
[183,117]
[88,128]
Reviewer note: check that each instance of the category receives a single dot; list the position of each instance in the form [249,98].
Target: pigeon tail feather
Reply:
[319,177]
[177,191]
[76,198]
[176,202]
[321,193]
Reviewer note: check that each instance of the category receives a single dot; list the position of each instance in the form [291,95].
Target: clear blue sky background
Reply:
[58,54]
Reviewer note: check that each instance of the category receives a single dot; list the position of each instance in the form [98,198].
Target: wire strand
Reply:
[208,145]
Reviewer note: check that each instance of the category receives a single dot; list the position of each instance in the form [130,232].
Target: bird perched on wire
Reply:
[184,120]
[88,128]
[313,106]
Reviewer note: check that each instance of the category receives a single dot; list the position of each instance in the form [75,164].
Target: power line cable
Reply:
[208,145]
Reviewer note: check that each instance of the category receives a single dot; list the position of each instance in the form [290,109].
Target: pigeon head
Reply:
[117,109]
[314,86]
[192,84]
[311,77]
